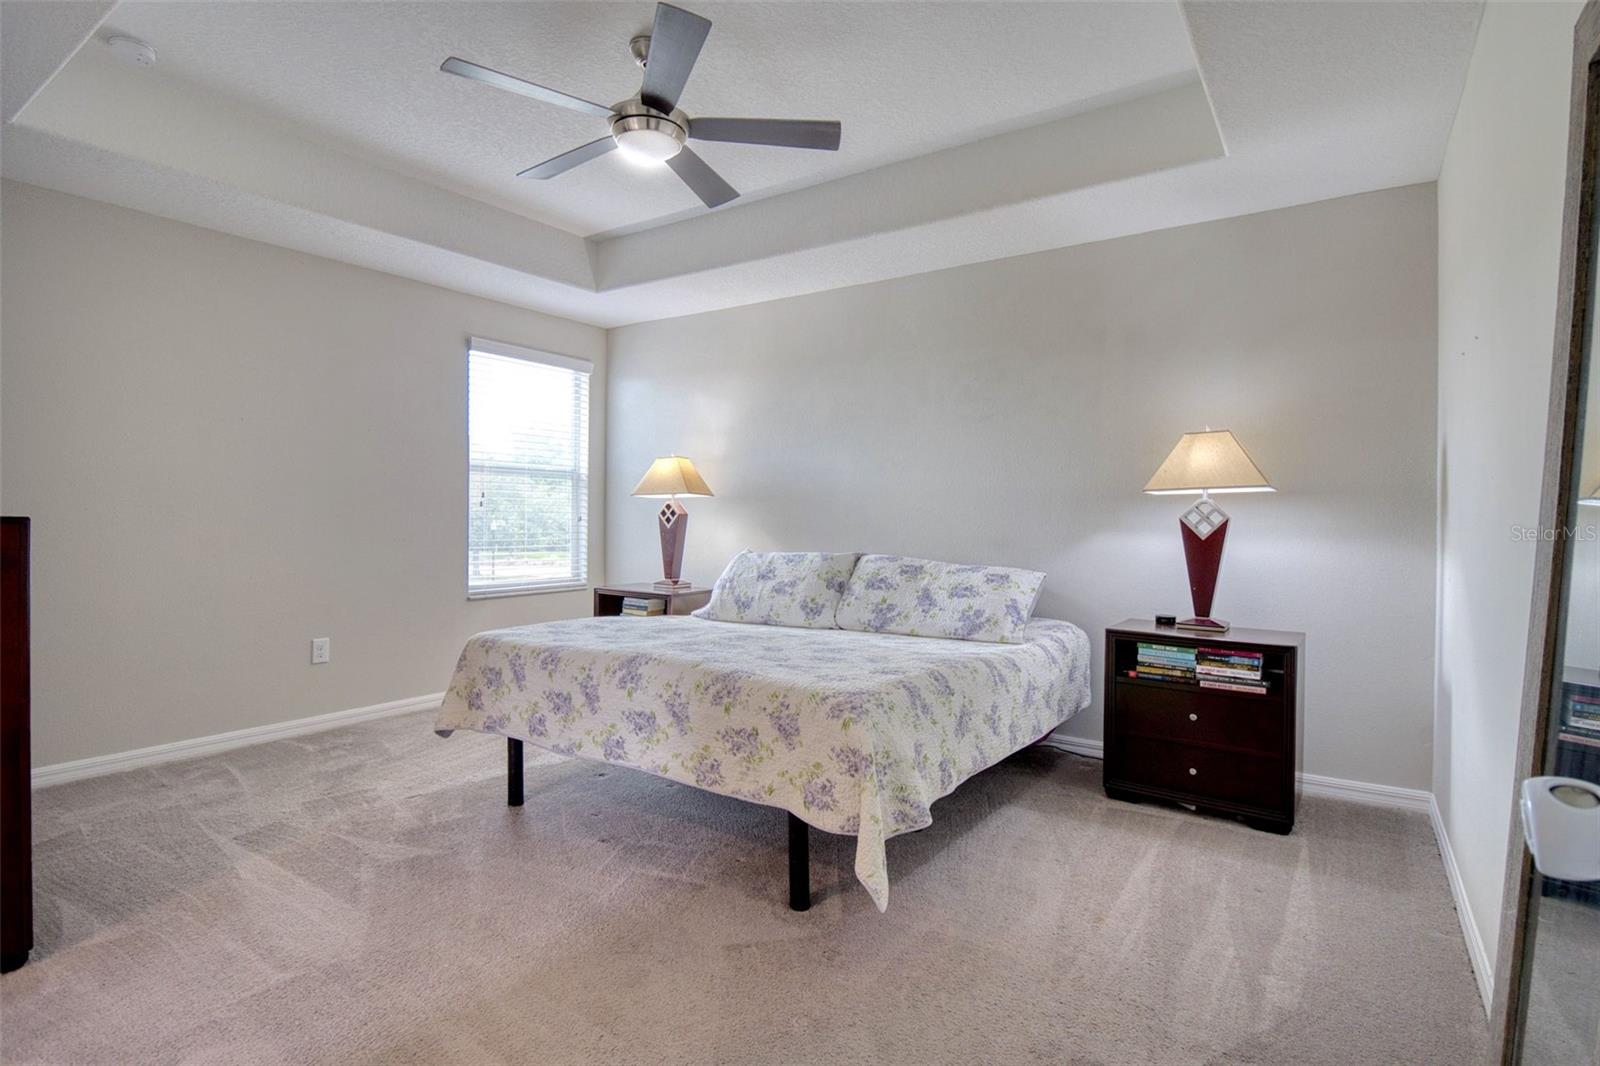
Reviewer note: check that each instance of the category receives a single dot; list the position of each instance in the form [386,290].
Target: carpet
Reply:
[364,895]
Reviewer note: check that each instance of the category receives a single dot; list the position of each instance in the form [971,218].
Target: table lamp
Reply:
[1205,462]
[668,478]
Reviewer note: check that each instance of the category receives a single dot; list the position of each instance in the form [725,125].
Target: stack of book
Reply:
[1580,724]
[643,606]
[1164,662]
[1231,669]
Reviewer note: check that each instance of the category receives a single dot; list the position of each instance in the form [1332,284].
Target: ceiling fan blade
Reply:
[567,160]
[522,88]
[782,132]
[675,42]
[698,175]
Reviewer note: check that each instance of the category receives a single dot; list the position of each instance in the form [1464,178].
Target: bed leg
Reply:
[799,865]
[513,772]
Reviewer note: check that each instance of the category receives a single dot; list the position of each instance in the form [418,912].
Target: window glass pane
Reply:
[528,435]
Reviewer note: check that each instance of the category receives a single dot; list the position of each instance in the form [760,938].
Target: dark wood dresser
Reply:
[1176,739]
[16,771]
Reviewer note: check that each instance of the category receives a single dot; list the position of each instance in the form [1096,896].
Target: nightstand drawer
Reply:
[1201,716]
[1204,773]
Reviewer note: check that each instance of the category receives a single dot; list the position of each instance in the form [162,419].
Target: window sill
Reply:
[539,590]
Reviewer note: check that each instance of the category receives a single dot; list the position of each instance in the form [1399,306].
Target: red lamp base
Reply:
[1205,530]
[674,522]
[1204,625]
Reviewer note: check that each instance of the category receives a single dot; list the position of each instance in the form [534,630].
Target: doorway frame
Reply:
[1574,310]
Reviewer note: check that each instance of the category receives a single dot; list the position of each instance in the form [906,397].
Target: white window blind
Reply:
[528,470]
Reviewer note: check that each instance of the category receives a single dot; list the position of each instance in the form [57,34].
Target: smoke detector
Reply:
[131,50]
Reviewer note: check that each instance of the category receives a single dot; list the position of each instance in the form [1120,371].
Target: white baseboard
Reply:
[1476,954]
[1405,799]
[62,772]
[1408,799]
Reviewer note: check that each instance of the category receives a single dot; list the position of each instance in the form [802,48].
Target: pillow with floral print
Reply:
[923,598]
[781,588]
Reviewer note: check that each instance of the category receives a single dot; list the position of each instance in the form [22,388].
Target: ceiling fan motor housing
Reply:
[640,47]
[647,134]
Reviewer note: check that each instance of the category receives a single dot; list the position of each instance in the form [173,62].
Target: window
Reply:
[528,470]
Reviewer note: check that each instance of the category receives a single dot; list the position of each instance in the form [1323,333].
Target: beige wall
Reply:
[228,449]
[1500,196]
[1009,412]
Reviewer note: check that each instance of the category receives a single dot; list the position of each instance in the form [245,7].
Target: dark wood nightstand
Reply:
[608,598]
[1236,753]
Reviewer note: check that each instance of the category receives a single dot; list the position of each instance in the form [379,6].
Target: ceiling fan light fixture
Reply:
[647,139]
[647,147]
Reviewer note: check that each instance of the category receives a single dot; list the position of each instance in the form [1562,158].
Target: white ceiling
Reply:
[971,131]
[37,37]
[369,82]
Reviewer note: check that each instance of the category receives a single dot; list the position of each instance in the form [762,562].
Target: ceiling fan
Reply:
[649,127]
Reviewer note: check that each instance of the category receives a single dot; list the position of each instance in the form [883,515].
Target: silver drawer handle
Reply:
[1194,718]
[1193,771]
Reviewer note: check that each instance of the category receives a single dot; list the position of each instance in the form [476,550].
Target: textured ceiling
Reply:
[972,132]
[369,81]
[37,37]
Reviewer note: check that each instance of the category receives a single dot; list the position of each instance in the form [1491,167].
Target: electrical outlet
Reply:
[321,650]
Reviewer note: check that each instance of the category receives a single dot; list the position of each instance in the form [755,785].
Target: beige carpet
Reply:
[366,896]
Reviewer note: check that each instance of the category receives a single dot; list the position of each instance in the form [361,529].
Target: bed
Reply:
[851,732]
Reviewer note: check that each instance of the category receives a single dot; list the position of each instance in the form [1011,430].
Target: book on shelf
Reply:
[641,606]
[1149,673]
[1228,667]
[1582,712]
[1178,651]
[1166,653]
[1256,688]
[1231,679]
[1587,740]
[1228,664]
[1171,664]
[1165,678]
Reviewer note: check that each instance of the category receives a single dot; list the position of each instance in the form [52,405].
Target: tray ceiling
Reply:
[971,131]
[905,79]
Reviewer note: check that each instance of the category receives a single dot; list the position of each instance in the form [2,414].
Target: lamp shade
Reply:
[1212,461]
[671,475]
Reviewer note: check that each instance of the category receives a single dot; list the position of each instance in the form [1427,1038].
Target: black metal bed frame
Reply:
[799,832]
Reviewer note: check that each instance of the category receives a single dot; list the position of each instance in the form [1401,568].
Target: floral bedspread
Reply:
[856,733]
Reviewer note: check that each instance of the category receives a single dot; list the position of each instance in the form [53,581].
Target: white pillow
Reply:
[781,589]
[924,598]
